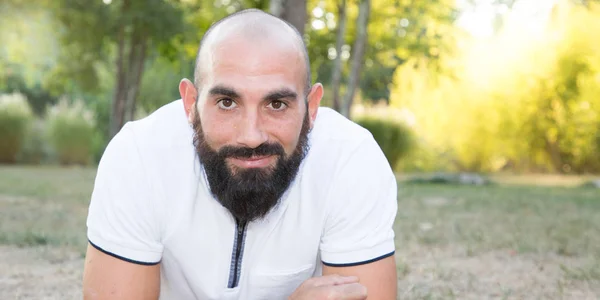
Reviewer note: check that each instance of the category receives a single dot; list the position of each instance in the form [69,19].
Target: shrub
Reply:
[516,102]
[35,148]
[427,158]
[71,132]
[15,118]
[394,137]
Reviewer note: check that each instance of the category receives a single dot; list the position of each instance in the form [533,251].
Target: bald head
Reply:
[252,28]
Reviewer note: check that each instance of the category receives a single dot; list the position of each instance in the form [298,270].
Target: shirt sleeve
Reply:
[359,225]
[122,219]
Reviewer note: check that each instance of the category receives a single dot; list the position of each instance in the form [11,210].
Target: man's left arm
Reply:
[359,237]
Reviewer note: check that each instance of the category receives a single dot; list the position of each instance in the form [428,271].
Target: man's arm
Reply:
[358,238]
[124,226]
[378,277]
[107,277]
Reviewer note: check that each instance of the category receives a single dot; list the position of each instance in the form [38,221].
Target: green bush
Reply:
[502,106]
[101,106]
[427,158]
[71,132]
[35,148]
[394,137]
[15,118]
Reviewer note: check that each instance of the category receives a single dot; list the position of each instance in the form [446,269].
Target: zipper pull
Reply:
[240,225]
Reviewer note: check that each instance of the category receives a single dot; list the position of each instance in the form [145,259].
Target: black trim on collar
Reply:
[123,258]
[361,262]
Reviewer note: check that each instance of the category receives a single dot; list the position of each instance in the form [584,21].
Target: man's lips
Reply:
[253,162]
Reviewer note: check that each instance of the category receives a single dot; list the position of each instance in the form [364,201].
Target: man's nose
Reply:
[250,131]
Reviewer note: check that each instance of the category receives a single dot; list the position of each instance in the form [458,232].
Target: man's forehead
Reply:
[268,54]
[254,42]
[244,61]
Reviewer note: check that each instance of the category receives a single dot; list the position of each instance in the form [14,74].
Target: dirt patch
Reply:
[15,200]
[425,273]
[40,273]
[452,274]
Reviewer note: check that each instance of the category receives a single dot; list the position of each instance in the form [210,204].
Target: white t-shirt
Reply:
[151,204]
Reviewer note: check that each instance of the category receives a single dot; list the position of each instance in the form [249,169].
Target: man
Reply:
[244,188]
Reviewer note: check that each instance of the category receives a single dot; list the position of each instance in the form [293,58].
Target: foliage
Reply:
[526,101]
[398,31]
[558,104]
[36,149]
[91,29]
[159,85]
[71,132]
[123,32]
[35,93]
[392,134]
[425,158]
[28,52]
[15,119]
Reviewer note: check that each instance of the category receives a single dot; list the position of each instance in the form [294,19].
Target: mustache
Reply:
[266,149]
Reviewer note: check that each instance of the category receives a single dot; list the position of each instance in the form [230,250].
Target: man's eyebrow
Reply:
[282,93]
[223,91]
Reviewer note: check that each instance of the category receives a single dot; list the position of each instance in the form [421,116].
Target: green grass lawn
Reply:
[500,242]
[526,219]
[506,241]
[44,206]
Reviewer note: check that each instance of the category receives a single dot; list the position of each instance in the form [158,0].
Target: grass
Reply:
[502,241]
[565,221]
[44,206]
[507,241]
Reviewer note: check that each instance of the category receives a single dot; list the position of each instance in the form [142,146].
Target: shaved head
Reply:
[251,107]
[254,105]
[256,27]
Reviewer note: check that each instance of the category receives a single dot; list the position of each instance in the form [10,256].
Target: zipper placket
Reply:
[236,262]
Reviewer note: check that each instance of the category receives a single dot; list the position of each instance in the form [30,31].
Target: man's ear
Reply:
[314,101]
[189,94]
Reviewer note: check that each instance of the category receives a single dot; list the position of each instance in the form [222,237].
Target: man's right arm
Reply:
[107,277]
[124,226]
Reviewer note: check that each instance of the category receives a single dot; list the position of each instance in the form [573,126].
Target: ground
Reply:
[513,240]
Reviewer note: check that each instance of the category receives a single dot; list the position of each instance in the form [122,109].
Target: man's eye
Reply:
[277,105]
[226,104]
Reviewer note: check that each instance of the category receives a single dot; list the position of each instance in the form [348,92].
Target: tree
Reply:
[336,76]
[340,104]
[29,51]
[358,52]
[397,31]
[533,108]
[122,31]
[293,11]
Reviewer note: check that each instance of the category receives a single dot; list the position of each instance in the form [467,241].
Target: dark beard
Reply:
[249,194]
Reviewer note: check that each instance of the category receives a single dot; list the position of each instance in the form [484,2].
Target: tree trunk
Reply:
[276,7]
[336,76]
[358,52]
[131,54]
[554,154]
[136,68]
[293,11]
[118,103]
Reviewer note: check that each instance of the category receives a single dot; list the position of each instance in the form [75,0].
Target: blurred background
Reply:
[488,110]
[446,85]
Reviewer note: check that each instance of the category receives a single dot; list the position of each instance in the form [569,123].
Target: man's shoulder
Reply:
[167,121]
[331,126]
[163,138]
[335,142]
[335,137]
